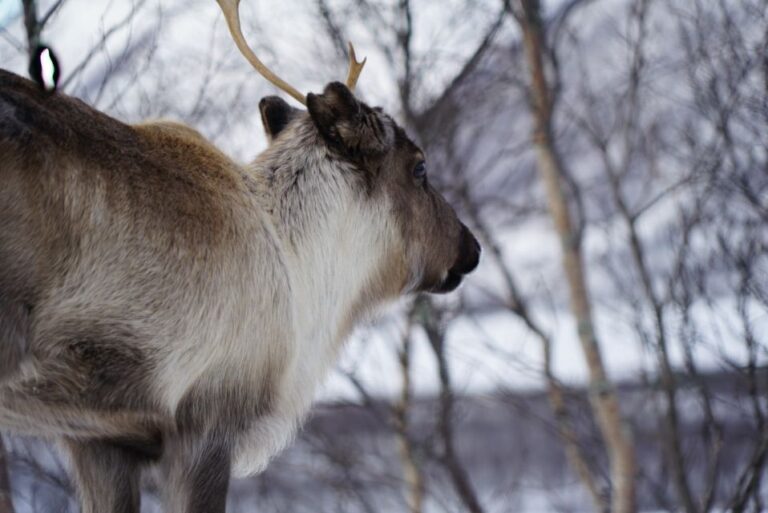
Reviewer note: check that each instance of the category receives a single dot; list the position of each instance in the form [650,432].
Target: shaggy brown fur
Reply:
[162,305]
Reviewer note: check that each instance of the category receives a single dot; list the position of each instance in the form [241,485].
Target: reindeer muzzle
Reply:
[466,262]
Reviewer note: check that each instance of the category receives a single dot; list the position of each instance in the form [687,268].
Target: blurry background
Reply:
[612,155]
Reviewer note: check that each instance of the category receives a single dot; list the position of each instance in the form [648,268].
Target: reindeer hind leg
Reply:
[25,410]
[60,397]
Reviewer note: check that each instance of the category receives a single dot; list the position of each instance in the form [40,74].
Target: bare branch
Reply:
[412,474]
[430,321]
[51,12]
[101,45]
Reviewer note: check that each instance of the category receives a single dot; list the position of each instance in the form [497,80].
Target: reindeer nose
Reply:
[469,252]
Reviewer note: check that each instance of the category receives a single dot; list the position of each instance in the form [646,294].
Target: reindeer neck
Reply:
[332,243]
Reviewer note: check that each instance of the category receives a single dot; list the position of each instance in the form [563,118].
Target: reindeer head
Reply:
[433,250]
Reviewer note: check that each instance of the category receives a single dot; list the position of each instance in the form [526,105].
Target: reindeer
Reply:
[166,307]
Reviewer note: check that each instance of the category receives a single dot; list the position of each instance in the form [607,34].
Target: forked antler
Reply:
[232,15]
[355,68]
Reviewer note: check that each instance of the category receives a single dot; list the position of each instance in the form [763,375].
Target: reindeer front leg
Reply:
[197,459]
[107,476]
[197,467]
[107,445]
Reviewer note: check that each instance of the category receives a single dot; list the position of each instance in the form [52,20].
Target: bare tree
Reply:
[605,403]
[615,173]
[518,306]
[637,139]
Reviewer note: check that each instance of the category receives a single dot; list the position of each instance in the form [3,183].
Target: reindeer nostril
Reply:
[476,244]
[469,253]
[473,259]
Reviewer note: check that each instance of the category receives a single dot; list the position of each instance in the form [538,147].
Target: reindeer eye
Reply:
[420,171]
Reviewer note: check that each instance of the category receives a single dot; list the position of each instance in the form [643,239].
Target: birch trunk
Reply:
[613,429]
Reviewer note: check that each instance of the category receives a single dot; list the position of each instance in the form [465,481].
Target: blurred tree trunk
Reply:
[552,174]
[6,504]
[412,475]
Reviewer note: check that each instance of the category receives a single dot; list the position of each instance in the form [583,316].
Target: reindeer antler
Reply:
[355,68]
[232,15]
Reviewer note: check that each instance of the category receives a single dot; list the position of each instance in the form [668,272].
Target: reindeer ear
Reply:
[275,115]
[346,123]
